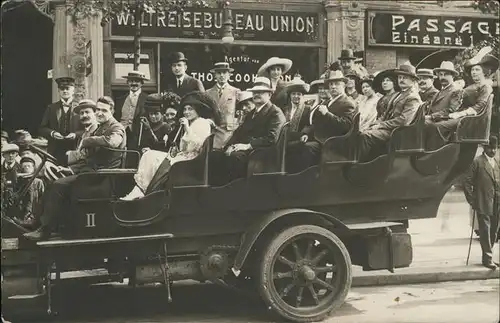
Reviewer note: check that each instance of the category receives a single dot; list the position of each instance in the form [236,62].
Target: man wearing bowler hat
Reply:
[347,63]
[130,108]
[225,96]
[482,191]
[182,83]
[60,125]
[400,112]
[426,87]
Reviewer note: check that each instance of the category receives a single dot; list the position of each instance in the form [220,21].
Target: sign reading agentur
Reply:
[408,30]
[206,23]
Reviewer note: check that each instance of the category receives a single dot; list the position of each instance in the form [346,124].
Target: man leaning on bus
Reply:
[111,134]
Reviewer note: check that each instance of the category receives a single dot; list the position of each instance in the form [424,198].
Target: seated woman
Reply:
[155,131]
[368,105]
[387,85]
[475,97]
[200,112]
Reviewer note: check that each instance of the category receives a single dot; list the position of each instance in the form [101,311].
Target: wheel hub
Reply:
[307,273]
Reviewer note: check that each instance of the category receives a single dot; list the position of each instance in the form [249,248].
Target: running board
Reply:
[373,225]
[98,241]
[24,297]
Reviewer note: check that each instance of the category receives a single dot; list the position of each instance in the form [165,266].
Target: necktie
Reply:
[220,91]
[179,83]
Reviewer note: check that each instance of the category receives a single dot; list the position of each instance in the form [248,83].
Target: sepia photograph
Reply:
[250,161]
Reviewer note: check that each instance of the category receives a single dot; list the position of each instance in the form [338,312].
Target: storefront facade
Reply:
[297,33]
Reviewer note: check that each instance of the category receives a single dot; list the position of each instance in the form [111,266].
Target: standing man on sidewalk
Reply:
[482,191]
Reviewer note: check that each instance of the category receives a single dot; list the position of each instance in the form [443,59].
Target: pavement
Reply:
[440,248]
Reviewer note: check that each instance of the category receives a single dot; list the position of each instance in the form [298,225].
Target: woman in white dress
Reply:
[368,106]
[199,113]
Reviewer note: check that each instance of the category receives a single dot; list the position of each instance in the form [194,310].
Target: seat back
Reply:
[192,172]
[129,158]
[475,129]
[410,138]
[270,160]
[342,149]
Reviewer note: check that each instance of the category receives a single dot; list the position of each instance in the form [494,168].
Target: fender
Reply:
[253,233]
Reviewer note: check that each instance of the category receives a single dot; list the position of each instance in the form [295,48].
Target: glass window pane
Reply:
[124,63]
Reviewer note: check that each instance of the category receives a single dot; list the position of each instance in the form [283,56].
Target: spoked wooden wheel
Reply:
[305,273]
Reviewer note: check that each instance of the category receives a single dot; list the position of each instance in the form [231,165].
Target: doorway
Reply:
[27,37]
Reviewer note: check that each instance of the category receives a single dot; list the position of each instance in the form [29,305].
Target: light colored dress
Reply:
[368,111]
[190,146]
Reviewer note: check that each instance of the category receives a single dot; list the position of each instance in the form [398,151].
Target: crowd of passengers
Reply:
[172,126]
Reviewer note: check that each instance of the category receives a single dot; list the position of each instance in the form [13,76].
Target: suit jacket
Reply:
[79,154]
[226,104]
[401,111]
[50,122]
[259,129]
[482,186]
[189,84]
[445,102]
[336,122]
[110,134]
[428,95]
[136,123]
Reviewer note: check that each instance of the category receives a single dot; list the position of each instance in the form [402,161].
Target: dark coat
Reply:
[149,141]
[50,123]
[298,122]
[401,111]
[11,173]
[482,186]
[110,134]
[133,137]
[279,97]
[259,131]
[428,95]
[445,102]
[189,84]
[336,122]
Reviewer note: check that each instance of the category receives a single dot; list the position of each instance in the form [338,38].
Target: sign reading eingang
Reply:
[424,31]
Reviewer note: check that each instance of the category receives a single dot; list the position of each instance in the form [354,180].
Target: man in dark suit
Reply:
[400,112]
[260,128]
[111,134]
[426,85]
[326,120]
[60,125]
[182,83]
[447,101]
[482,191]
[130,108]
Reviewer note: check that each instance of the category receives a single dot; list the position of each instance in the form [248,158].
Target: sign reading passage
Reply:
[396,29]
[206,23]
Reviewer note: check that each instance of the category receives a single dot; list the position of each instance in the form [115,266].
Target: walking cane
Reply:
[471,233]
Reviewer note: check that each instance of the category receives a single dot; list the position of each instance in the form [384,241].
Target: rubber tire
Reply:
[269,253]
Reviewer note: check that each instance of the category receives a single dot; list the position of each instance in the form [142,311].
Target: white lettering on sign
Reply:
[207,20]
[90,220]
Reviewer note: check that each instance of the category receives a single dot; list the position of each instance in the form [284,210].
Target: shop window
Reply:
[245,59]
[123,62]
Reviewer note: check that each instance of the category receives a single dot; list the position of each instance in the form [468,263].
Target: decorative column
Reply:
[74,56]
[345,26]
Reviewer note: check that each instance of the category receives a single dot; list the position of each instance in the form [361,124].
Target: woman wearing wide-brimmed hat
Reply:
[200,112]
[385,83]
[475,96]
[274,69]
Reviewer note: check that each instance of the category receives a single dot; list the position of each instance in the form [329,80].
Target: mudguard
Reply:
[253,233]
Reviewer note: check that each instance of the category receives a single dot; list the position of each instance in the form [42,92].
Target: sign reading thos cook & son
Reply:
[408,30]
[206,23]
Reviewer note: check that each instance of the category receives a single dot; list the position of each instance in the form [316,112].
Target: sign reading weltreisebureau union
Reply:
[410,30]
[206,23]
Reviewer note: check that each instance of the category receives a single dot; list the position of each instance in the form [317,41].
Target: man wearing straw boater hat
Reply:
[482,191]
[260,128]
[426,87]
[130,108]
[225,96]
[182,83]
[327,119]
[60,124]
[274,69]
[400,112]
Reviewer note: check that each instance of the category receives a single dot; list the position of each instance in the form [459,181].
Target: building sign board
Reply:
[206,23]
[424,31]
